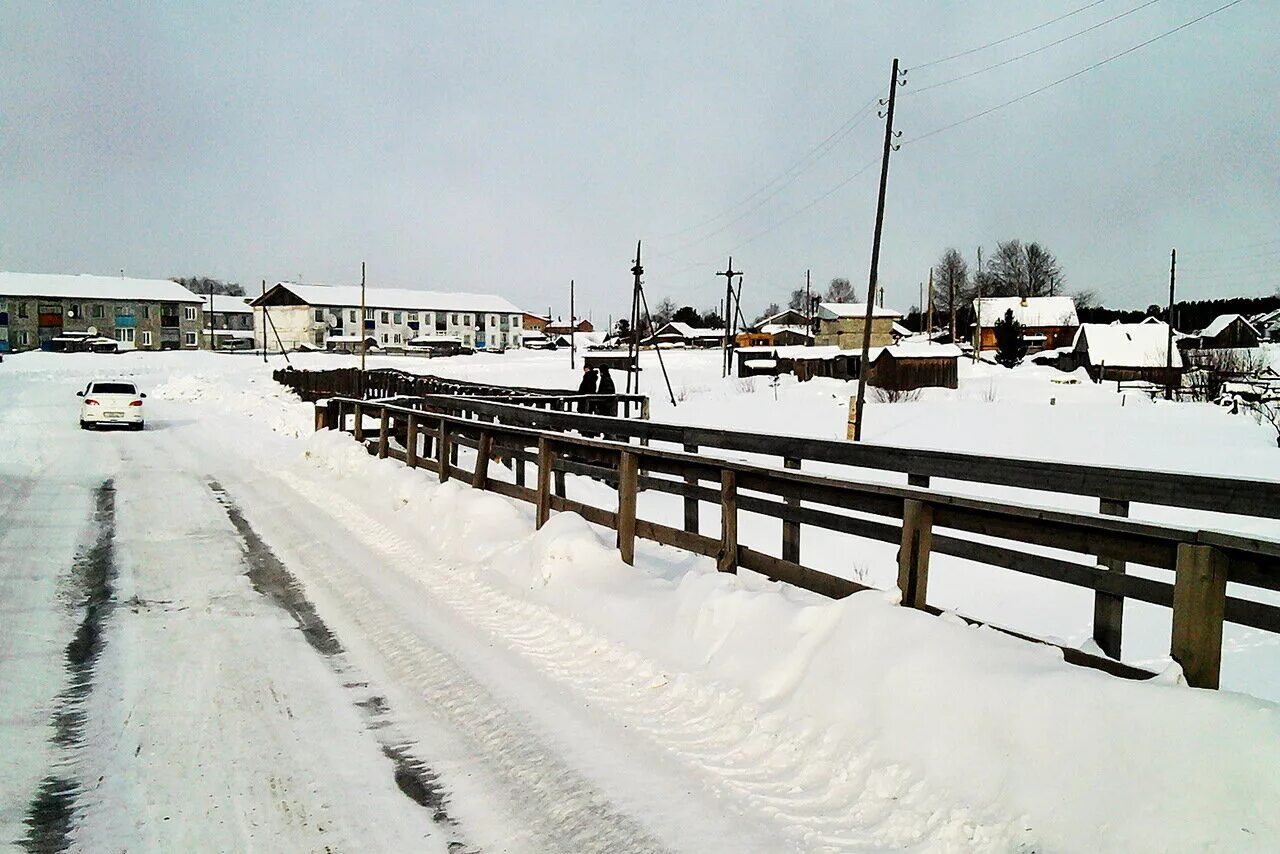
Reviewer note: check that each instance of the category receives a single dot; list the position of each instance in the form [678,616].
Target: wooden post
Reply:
[545,462]
[334,416]
[728,558]
[559,481]
[1108,609]
[519,467]
[411,442]
[453,453]
[644,408]
[359,428]
[322,417]
[691,503]
[1199,602]
[628,479]
[383,434]
[442,450]
[791,530]
[913,555]
[484,451]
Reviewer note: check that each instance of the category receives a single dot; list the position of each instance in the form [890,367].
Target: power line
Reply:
[1071,76]
[1034,51]
[816,153]
[765,200]
[799,211]
[973,50]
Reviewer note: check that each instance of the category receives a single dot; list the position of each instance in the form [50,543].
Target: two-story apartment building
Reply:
[141,314]
[315,315]
[228,323]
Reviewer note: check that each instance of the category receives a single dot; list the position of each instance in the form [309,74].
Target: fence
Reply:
[389,383]
[427,433]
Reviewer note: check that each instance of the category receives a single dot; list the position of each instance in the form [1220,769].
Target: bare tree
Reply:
[1006,271]
[664,311]
[204,285]
[797,300]
[950,284]
[1044,273]
[769,311]
[840,291]
[1085,299]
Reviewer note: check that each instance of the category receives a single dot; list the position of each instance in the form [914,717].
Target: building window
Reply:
[385,317]
[453,318]
[24,309]
[144,311]
[23,337]
[413,317]
[319,315]
[384,338]
[124,310]
[368,314]
[146,338]
[466,339]
[515,320]
[97,311]
[352,315]
[466,320]
[397,317]
[493,321]
[190,312]
[190,337]
[397,338]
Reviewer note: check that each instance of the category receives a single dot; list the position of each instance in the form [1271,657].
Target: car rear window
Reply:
[114,388]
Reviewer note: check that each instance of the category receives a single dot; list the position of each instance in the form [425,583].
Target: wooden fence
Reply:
[427,433]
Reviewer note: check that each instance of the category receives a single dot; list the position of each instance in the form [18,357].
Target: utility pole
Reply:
[808,306]
[1168,356]
[977,308]
[364,339]
[264,323]
[572,328]
[930,305]
[728,274]
[921,304]
[633,346]
[875,252]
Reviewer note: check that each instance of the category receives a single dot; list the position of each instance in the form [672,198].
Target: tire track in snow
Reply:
[272,579]
[52,810]
[843,803]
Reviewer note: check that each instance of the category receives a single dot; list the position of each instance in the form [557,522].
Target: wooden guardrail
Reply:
[388,383]
[427,433]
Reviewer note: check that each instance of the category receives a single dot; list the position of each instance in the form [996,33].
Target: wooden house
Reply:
[1228,332]
[1125,351]
[842,324]
[676,334]
[1047,322]
[901,367]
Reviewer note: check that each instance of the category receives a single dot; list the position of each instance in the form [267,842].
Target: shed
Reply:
[1228,332]
[1126,351]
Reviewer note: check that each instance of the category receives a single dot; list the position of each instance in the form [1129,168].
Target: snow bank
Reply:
[960,723]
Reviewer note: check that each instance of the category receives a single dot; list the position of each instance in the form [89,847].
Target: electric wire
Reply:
[1032,52]
[1071,76]
[1000,41]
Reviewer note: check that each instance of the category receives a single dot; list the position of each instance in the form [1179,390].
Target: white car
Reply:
[111,402]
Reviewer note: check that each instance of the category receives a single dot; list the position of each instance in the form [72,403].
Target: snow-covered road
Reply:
[226,634]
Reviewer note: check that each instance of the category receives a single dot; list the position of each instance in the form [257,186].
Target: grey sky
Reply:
[511,147]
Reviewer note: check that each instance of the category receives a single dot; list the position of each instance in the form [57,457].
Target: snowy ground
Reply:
[464,683]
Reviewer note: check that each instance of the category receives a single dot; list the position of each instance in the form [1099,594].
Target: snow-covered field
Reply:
[466,683]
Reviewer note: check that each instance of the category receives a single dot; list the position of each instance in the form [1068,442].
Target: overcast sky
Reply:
[510,147]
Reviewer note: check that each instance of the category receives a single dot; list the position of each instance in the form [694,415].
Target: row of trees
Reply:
[204,285]
[1015,269]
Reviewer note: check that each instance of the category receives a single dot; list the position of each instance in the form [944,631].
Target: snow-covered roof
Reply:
[229,304]
[345,339]
[348,296]
[899,329]
[1220,324]
[1127,345]
[436,339]
[775,328]
[786,312]
[835,310]
[1033,311]
[57,286]
[898,351]
[684,330]
[923,351]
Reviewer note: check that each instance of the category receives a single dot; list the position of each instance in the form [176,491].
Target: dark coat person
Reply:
[589,379]
[607,407]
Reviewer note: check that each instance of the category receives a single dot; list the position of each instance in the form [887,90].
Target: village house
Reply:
[676,334]
[1047,322]
[561,327]
[534,322]
[228,325]
[1125,352]
[841,324]
[898,367]
[786,328]
[138,314]
[1227,332]
[313,316]
[1267,324]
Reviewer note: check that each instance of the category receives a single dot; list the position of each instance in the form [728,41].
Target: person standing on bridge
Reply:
[587,386]
[610,406]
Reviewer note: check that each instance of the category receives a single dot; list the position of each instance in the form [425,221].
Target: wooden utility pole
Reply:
[930,305]
[264,323]
[633,346]
[728,274]
[364,339]
[808,305]
[875,254]
[977,308]
[572,327]
[1168,355]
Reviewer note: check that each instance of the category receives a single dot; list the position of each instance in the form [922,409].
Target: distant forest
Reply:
[1187,316]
